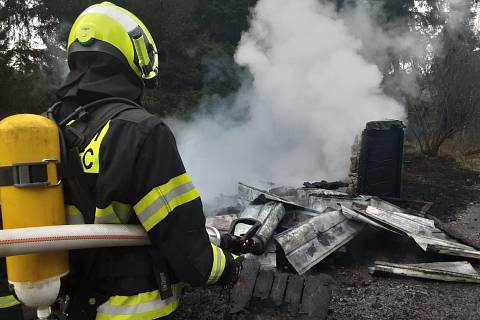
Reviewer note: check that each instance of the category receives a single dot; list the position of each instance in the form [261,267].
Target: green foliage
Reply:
[195,40]
[224,20]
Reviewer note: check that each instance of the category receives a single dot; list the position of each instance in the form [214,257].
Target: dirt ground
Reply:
[358,295]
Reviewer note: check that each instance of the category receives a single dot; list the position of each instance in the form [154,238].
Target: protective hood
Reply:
[94,75]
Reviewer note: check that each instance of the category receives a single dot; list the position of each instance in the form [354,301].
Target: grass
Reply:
[466,157]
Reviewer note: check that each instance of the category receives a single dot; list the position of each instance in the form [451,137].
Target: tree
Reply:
[449,97]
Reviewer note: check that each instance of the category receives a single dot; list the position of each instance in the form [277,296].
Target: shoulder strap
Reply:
[88,120]
[85,128]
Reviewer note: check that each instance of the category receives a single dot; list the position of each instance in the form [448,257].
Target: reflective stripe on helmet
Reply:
[127,22]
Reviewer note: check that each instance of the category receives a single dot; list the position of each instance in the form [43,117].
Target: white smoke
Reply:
[457,12]
[312,92]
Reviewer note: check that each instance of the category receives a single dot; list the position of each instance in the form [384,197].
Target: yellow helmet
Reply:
[110,29]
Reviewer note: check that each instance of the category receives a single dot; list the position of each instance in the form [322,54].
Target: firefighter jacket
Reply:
[134,173]
[9,306]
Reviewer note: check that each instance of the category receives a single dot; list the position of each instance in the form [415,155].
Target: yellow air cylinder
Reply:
[26,139]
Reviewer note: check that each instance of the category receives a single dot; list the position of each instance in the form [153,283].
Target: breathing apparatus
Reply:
[31,195]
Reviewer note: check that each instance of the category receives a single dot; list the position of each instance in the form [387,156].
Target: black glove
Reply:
[233,267]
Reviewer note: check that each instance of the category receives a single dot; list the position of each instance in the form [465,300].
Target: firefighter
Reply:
[123,166]
[9,306]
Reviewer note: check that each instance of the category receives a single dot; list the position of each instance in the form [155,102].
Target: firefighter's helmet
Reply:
[113,30]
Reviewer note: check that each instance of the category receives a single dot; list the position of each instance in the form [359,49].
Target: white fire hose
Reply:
[56,238]
[69,237]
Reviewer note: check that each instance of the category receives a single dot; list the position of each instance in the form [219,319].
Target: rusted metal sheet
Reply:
[313,240]
[444,271]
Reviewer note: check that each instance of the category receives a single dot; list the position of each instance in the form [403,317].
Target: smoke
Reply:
[457,12]
[311,89]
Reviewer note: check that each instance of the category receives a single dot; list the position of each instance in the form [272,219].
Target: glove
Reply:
[233,267]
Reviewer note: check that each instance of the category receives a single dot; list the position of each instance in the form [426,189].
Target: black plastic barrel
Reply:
[380,159]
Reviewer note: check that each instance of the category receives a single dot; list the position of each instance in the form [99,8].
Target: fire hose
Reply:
[70,237]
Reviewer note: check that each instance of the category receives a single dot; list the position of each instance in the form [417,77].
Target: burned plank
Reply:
[278,288]
[241,293]
[264,284]
[453,251]
[452,266]
[293,294]
[435,271]
[316,297]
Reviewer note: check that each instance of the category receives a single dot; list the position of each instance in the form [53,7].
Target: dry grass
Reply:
[467,157]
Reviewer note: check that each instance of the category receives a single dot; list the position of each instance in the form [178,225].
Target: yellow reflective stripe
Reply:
[74,216]
[218,264]
[169,207]
[144,306]
[152,196]
[72,210]
[90,157]
[106,215]
[8,301]
[122,210]
[162,200]
[116,212]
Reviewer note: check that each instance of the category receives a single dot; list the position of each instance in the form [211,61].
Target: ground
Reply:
[455,193]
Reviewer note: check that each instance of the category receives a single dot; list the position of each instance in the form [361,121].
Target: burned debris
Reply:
[314,223]
[301,227]
[304,226]
[456,271]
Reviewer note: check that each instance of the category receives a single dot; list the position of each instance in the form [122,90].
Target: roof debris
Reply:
[308,224]
[316,238]
[459,271]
